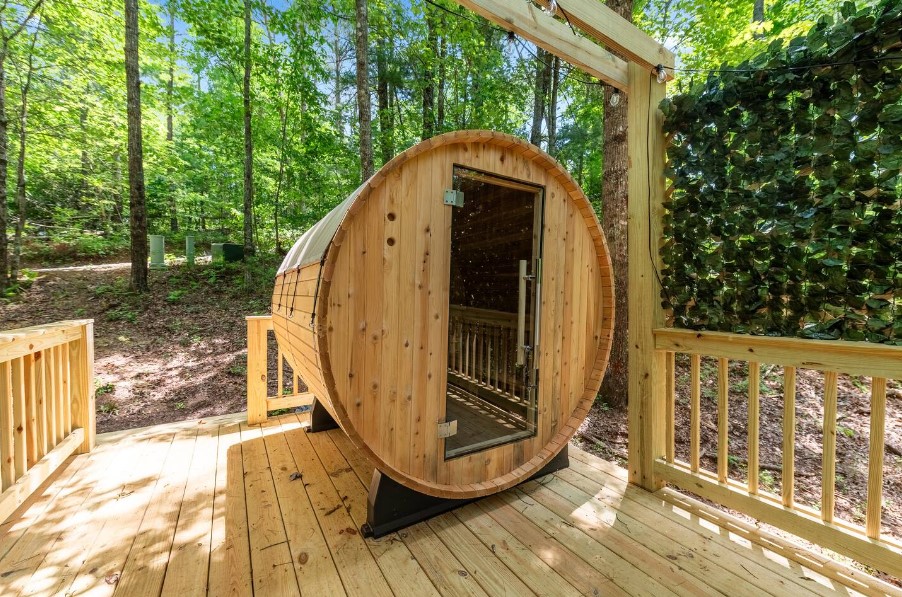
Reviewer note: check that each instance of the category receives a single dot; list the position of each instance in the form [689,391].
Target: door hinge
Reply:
[454,198]
[447,429]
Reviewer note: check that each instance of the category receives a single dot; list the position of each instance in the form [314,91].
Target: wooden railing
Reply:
[259,402]
[482,351]
[46,404]
[879,362]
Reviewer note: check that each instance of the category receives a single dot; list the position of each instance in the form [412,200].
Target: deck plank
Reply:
[230,553]
[526,565]
[189,558]
[359,572]
[33,548]
[271,563]
[401,569]
[563,561]
[585,474]
[184,509]
[313,564]
[114,516]
[145,567]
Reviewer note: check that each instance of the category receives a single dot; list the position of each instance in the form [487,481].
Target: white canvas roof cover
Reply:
[314,243]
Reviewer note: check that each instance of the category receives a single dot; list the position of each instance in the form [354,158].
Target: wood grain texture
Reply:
[376,354]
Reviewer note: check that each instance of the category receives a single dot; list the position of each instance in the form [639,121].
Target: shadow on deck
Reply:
[216,507]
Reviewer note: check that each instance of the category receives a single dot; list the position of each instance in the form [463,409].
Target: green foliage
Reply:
[785,217]
[122,314]
[175,295]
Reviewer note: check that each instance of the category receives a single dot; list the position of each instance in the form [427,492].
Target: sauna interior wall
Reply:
[384,313]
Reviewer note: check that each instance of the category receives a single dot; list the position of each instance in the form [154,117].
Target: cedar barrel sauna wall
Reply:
[361,311]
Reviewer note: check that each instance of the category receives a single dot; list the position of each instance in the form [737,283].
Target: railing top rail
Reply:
[483,315]
[842,356]
[22,341]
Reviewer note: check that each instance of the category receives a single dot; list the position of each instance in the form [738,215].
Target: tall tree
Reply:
[552,105]
[7,35]
[382,98]
[137,207]
[364,114]
[21,197]
[170,89]
[249,248]
[429,78]
[615,199]
[540,94]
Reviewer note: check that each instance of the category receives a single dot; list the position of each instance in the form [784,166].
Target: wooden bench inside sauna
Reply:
[453,316]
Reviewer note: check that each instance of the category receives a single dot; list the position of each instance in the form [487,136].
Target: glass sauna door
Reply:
[493,331]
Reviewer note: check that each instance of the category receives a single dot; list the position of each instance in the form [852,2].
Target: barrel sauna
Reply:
[454,314]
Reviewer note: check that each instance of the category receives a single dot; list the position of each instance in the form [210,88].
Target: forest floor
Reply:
[605,433]
[175,353]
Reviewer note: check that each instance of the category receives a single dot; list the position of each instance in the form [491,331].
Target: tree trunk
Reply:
[85,191]
[138,213]
[117,189]
[440,115]
[337,97]
[615,201]
[170,84]
[4,164]
[21,198]
[363,91]
[758,17]
[429,80]
[540,95]
[758,11]
[4,142]
[552,105]
[249,248]
[385,115]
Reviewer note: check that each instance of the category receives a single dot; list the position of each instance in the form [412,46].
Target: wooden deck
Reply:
[216,507]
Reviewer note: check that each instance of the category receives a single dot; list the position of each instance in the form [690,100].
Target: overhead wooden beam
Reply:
[616,33]
[529,22]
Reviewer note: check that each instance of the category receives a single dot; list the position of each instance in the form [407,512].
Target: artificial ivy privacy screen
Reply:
[785,214]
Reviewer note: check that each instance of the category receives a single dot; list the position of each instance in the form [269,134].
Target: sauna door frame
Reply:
[538,233]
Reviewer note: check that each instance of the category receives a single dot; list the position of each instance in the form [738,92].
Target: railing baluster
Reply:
[50,389]
[695,406]
[670,444]
[280,366]
[723,419]
[31,413]
[754,414]
[875,457]
[66,394]
[829,458]
[789,435]
[7,445]
[19,427]
[40,394]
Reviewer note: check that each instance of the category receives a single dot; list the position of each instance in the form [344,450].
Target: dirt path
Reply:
[176,353]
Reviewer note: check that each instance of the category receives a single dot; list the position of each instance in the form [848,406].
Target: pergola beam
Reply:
[530,22]
[616,33]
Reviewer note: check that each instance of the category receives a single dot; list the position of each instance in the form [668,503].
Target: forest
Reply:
[250,112]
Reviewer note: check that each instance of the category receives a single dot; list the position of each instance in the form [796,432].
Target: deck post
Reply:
[647,390]
[81,361]
[257,328]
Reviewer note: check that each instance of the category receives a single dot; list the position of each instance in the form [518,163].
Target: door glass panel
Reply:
[493,328]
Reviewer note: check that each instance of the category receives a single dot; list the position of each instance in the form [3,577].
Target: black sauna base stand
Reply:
[392,506]
[320,419]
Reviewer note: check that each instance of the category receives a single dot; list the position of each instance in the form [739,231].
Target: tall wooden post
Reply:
[257,328]
[81,363]
[646,197]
